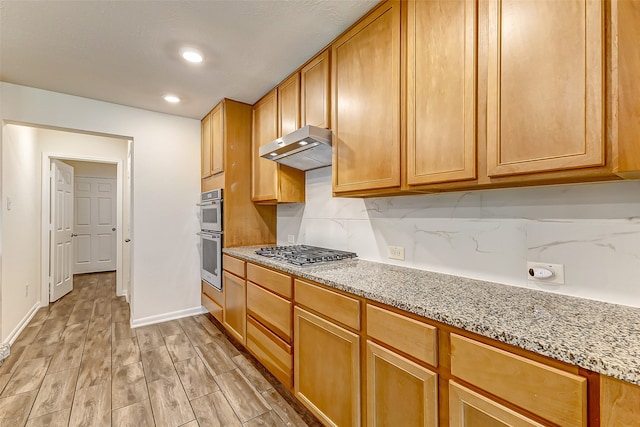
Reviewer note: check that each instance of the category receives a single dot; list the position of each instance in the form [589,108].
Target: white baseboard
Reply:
[23,324]
[159,318]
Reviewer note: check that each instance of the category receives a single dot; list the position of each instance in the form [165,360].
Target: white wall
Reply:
[20,225]
[593,229]
[166,187]
[97,170]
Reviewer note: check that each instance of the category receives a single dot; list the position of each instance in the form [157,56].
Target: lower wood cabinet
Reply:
[212,300]
[235,305]
[399,391]
[270,350]
[550,393]
[327,369]
[269,320]
[619,403]
[470,409]
[356,362]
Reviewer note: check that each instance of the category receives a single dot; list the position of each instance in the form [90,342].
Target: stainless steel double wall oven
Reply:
[211,237]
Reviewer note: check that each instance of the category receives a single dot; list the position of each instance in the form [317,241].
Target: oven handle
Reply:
[210,235]
[210,202]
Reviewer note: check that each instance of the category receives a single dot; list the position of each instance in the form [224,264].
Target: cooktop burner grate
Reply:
[304,254]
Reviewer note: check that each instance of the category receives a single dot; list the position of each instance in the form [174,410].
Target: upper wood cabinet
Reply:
[226,154]
[441,91]
[289,105]
[217,139]
[271,182]
[205,138]
[212,136]
[545,106]
[315,83]
[365,64]
[265,129]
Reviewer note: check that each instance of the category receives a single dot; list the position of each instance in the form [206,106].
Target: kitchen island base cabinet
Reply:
[327,369]
[399,391]
[470,409]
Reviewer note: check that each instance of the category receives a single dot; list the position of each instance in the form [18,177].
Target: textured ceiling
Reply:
[127,52]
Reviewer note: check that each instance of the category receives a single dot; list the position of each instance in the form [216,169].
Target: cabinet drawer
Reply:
[548,392]
[212,307]
[213,293]
[270,350]
[271,310]
[403,333]
[272,280]
[233,265]
[336,306]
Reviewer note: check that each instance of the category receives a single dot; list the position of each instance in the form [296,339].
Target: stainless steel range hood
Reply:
[305,149]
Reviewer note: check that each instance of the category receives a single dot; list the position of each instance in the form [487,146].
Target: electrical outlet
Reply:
[557,271]
[291,238]
[395,252]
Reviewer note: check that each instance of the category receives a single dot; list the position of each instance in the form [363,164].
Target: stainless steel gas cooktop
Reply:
[303,254]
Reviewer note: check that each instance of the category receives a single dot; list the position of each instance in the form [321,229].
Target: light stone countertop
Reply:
[598,336]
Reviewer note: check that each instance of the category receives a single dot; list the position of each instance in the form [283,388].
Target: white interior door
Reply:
[95,224]
[61,207]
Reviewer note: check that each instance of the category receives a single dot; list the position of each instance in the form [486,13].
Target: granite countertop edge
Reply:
[598,336]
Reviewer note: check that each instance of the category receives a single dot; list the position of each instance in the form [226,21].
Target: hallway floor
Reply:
[78,363]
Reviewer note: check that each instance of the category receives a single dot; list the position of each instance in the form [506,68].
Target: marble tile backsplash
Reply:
[593,229]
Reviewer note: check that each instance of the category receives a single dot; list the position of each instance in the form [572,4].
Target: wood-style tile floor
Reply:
[78,363]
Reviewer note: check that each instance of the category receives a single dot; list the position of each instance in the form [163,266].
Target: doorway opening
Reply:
[98,227]
[83,219]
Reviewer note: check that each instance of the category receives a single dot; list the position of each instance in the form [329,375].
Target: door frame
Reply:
[46,200]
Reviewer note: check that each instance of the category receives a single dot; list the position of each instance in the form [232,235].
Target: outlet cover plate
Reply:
[557,269]
[395,252]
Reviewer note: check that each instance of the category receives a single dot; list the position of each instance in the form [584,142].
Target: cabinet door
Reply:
[265,130]
[366,103]
[545,86]
[619,402]
[441,77]
[327,369]
[205,140]
[289,105]
[235,306]
[217,139]
[271,182]
[470,409]
[314,106]
[389,373]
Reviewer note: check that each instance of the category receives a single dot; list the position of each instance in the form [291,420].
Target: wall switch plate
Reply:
[291,238]
[556,269]
[26,289]
[395,252]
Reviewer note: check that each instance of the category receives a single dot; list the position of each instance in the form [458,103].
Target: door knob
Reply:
[113,229]
[127,240]
[73,234]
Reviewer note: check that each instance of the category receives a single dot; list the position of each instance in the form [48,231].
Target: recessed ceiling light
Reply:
[172,99]
[191,55]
